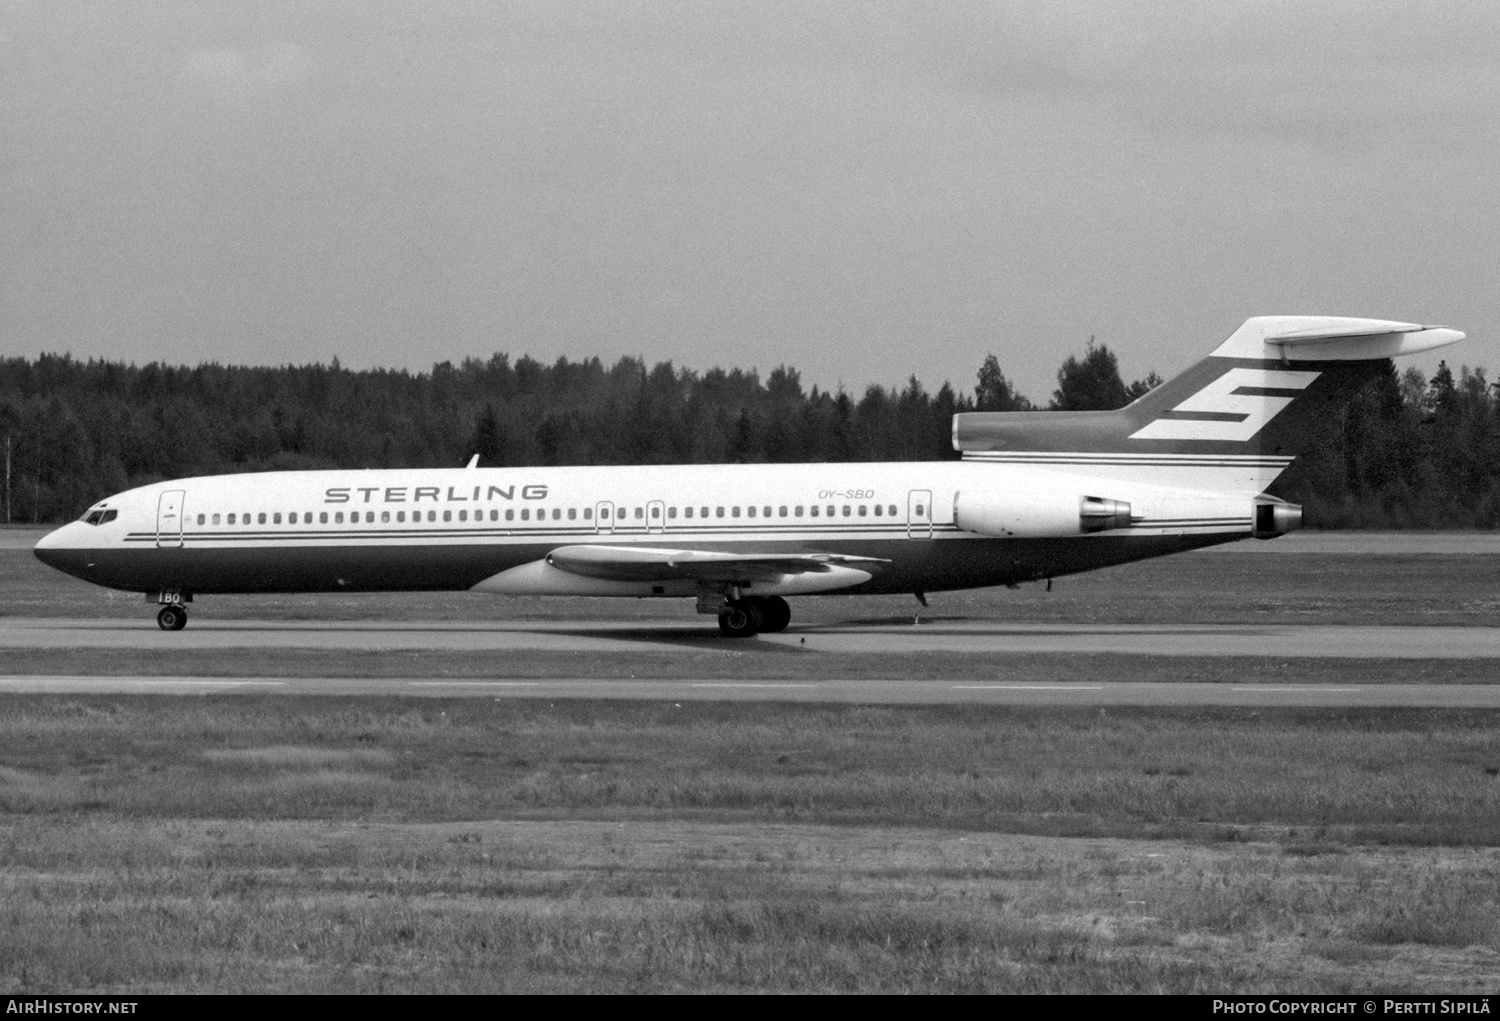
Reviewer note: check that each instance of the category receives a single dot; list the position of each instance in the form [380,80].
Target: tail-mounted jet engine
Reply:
[1273,519]
[1037,515]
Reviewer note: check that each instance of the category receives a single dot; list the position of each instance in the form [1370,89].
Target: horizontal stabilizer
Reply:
[1332,338]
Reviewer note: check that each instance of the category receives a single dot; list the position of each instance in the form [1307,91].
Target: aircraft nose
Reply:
[53,549]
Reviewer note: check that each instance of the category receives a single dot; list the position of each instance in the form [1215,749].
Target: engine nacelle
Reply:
[1273,519]
[1037,515]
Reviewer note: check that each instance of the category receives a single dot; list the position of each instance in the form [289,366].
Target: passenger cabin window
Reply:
[338,517]
[525,513]
[276,518]
[322,518]
[781,511]
[572,513]
[861,510]
[892,510]
[671,512]
[447,515]
[231,519]
[588,514]
[216,519]
[735,511]
[510,515]
[401,517]
[718,512]
[846,510]
[655,513]
[639,514]
[385,516]
[814,510]
[260,518]
[751,511]
[687,512]
[201,520]
[768,511]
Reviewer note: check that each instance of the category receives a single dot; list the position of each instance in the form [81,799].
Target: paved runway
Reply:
[675,635]
[1453,696]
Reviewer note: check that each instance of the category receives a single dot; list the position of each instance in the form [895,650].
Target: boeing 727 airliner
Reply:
[1036,495]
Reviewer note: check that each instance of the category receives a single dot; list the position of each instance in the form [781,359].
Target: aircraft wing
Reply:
[638,563]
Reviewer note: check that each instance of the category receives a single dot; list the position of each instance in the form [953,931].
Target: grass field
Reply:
[253,843]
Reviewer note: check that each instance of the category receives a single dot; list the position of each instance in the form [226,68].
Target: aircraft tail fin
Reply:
[1246,410]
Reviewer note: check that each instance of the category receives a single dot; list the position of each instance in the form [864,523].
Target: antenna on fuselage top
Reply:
[473,462]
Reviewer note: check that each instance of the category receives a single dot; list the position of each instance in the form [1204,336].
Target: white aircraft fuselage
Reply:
[479,528]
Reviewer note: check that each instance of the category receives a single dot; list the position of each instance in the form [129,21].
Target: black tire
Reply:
[171,618]
[741,619]
[775,613]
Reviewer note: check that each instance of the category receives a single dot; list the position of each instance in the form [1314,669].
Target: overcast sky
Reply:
[861,190]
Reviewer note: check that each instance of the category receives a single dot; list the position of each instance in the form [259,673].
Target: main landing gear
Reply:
[751,615]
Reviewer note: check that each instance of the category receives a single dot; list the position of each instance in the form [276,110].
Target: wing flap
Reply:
[644,563]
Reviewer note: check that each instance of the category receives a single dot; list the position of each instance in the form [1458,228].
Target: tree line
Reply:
[1408,453]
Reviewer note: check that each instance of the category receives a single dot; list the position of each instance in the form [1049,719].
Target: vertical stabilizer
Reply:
[1234,420]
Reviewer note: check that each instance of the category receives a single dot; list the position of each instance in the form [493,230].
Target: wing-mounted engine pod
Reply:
[1037,515]
[1273,519]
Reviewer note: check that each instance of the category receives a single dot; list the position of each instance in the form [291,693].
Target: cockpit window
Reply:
[100,517]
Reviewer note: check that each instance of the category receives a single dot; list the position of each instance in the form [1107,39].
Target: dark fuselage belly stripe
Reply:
[972,561]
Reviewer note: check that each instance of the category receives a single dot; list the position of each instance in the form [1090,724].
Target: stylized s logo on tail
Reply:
[1232,408]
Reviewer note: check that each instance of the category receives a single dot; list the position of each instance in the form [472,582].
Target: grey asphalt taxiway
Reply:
[1351,644]
[877,692]
[675,634]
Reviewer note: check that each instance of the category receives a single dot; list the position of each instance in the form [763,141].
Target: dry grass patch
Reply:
[485,906]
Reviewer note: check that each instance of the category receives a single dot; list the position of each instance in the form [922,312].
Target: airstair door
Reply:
[604,517]
[919,514]
[169,518]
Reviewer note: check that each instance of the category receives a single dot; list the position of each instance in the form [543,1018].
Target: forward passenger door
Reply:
[169,519]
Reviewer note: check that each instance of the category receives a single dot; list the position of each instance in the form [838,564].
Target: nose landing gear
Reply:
[173,613]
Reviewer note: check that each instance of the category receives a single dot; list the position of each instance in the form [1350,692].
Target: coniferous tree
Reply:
[994,392]
[1090,383]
